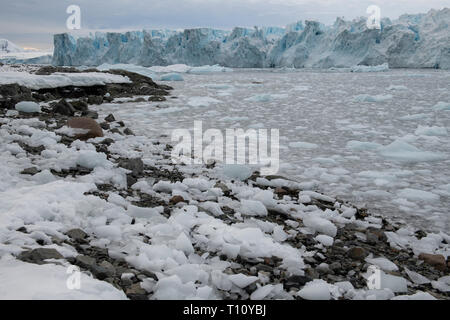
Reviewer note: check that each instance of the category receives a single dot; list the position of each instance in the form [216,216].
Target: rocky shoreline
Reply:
[336,242]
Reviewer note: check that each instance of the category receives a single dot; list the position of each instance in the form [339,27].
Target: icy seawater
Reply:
[380,140]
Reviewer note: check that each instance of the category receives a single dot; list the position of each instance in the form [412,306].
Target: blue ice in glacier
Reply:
[411,41]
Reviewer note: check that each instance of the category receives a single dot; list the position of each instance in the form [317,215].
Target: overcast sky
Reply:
[31,23]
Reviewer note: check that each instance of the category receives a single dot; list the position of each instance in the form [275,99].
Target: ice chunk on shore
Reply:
[28,106]
[91,159]
[253,208]
[320,225]
[237,171]
[315,290]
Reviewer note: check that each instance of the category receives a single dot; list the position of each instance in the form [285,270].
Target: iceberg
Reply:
[411,41]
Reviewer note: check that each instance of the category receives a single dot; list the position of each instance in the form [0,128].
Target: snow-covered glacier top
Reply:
[412,41]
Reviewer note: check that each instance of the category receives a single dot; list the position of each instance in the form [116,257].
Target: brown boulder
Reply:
[176,199]
[93,128]
[435,260]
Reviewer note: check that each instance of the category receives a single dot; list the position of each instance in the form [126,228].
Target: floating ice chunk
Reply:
[265,97]
[418,195]
[237,171]
[442,106]
[383,263]
[370,98]
[91,159]
[315,290]
[379,68]
[209,69]
[171,77]
[327,241]
[241,280]
[397,88]
[362,146]
[303,145]
[202,101]
[320,225]
[179,68]
[402,151]
[28,106]
[431,131]
[413,117]
[253,208]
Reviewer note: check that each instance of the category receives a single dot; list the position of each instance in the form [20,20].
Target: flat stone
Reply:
[77,234]
[39,255]
[31,171]
[296,282]
[357,253]
[136,292]
[93,128]
[85,261]
[135,165]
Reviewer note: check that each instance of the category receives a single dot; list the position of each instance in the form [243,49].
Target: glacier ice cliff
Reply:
[411,41]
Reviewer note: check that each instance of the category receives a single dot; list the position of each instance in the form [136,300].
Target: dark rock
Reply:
[63,107]
[77,234]
[79,105]
[130,180]
[121,123]
[136,292]
[296,282]
[31,171]
[39,255]
[85,261]
[107,141]
[90,114]
[135,165]
[110,118]
[157,98]
[105,126]
[357,253]
[95,99]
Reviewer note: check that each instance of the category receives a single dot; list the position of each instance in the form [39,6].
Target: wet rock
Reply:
[281,191]
[157,98]
[93,128]
[435,260]
[357,253]
[105,125]
[31,171]
[79,105]
[135,165]
[102,272]
[110,118]
[95,99]
[77,234]
[176,199]
[136,292]
[296,282]
[90,114]
[39,255]
[63,107]
[128,132]
[85,261]
[107,141]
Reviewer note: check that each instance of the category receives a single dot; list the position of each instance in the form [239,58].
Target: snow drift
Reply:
[412,41]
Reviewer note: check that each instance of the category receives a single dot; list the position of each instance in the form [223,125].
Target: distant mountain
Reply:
[7,46]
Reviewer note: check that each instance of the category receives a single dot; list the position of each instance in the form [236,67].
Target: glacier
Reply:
[411,41]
